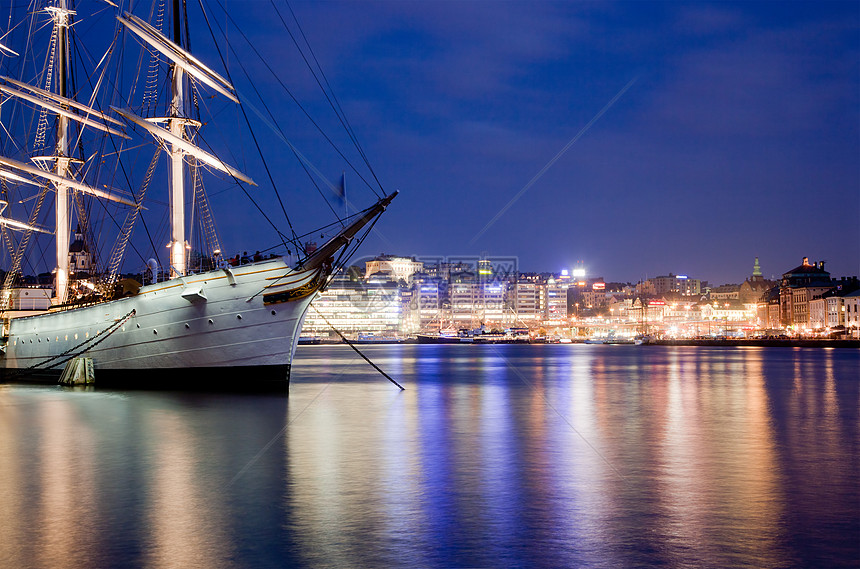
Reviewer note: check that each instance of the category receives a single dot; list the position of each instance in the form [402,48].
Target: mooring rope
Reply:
[357,351]
[106,333]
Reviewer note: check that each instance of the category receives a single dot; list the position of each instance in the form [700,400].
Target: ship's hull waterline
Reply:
[235,328]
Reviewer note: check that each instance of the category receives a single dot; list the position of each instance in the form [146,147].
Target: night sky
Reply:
[639,138]
[737,138]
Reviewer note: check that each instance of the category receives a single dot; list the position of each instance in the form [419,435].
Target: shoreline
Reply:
[741,342]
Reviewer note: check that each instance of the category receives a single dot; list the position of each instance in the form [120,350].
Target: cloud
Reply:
[765,83]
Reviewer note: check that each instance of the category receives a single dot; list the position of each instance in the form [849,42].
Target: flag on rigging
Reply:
[340,188]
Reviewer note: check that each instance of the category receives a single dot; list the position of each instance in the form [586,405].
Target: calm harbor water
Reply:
[493,456]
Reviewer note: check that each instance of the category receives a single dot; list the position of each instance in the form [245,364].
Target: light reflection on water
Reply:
[526,456]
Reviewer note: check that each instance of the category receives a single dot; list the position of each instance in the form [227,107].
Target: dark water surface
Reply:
[494,456]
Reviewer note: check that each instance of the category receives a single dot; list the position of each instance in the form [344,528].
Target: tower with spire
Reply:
[755,286]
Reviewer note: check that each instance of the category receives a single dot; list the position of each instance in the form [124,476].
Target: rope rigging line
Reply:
[357,351]
[125,232]
[19,253]
[275,126]
[241,186]
[294,240]
[327,90]
[288,92]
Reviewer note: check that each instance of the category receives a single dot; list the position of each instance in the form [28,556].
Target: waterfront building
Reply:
[356,307]
[645,289]
[725,292]
[818,313]
[528,305]
[619,308]
[80,259]
[852,313]
[647,312]
[767,310]
[797,287]
[480,304]
[554,301]
[394,268]
[834,311]
[679,310]
[494,305]
[425,309]
[585,297]
[464,305]
[680,284]
[752,289]
[727,310]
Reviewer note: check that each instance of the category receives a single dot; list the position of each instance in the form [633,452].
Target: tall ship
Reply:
[106,155]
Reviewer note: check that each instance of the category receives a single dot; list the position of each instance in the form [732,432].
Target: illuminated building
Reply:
[619,308]
[827,310]
[475,304]
[554,300]
[680,284]
[355,307]
[647,311]
[767,310]
[752,289]
[425,307]
[852,313]
[80,259]
[528,303]
[395,268]
[644,289]
[727,310]
[725,292]
[797,287]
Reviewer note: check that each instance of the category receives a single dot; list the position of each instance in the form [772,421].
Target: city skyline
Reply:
[511,265]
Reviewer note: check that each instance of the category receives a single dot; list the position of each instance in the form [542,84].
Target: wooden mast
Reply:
[61,278]
[177,174]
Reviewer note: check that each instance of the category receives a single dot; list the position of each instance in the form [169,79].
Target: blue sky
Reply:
[738,138]
[738,134]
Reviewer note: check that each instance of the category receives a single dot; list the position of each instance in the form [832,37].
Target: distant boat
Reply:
[377,339]
[479,336]
[643,339]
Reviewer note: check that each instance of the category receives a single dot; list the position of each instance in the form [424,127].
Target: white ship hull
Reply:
[237,326]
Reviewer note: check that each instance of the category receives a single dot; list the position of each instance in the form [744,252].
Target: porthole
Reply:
[273,313]
[87,335]
[239,316]
[211,321]
[187,326]
[76,336]
[155,331]
[67,338]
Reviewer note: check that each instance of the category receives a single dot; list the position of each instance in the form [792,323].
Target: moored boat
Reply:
[193,324]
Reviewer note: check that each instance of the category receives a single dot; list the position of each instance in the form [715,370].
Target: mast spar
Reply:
[61,16]
[177,175]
